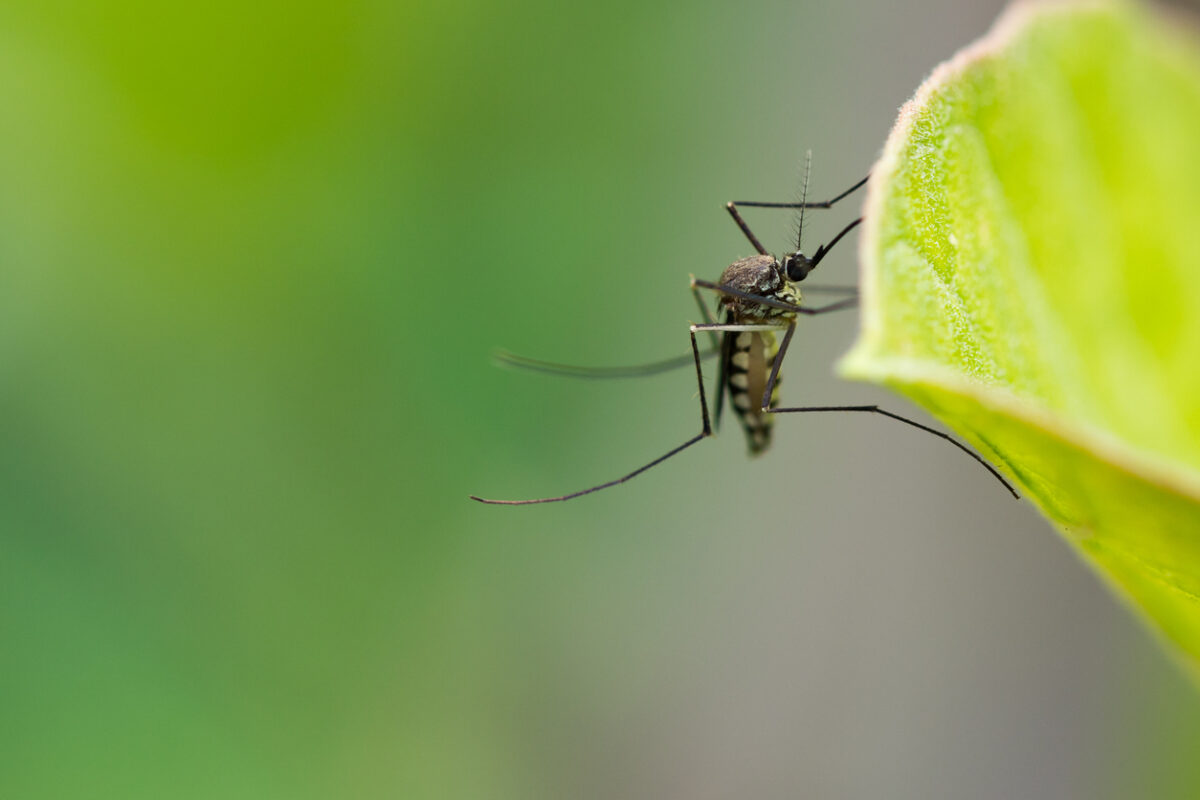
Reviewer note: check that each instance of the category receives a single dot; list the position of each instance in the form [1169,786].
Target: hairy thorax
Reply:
[761,276]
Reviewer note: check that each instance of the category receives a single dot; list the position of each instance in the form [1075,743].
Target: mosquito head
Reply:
[761,276]
[797,266]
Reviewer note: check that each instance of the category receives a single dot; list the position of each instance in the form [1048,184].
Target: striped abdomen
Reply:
[748,360]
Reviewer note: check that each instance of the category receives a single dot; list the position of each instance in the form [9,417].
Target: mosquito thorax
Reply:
[762,276]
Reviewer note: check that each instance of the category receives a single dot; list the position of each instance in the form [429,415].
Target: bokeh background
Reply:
[253,261]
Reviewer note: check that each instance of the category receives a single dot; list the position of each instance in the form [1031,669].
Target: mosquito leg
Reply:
[705,432]
[840,305]
[826,289]
[906,421]
[790,327]
[704,309]
[707,426]
[754,298]
[742,328]
[581,493]
[849,302]
[741,223]
[707,314]
[633,371]
[824,249]
[774,376]
[722,366]
[574,371]
[719,344]
[805,204]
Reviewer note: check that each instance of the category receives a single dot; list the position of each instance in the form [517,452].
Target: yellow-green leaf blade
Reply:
[1032,277]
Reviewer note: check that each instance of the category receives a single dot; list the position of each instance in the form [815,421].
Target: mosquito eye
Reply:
[797,268]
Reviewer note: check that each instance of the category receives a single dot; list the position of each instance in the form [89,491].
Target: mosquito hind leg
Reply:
[774,376]
[873,409]
[598,373]
[705,432]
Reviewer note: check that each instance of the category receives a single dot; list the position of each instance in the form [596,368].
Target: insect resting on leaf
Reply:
[759,298]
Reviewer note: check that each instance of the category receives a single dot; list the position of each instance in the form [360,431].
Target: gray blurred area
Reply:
[861,613]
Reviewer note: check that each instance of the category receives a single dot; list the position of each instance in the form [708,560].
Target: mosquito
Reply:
[759,298]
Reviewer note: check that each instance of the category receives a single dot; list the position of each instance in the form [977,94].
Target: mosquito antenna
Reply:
[803,200]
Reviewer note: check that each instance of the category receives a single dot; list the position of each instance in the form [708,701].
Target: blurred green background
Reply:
[253,260]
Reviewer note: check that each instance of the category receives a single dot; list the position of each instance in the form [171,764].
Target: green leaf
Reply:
[1031,261]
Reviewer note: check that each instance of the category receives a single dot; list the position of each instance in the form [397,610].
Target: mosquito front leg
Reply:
[741,223]
[839,305]
[824,249]
[803,204]
[732,208]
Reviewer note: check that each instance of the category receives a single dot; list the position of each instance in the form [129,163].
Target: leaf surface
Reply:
[1031,260]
